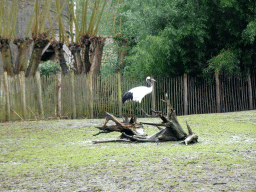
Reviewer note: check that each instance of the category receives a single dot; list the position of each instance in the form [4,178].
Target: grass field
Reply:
[60,156]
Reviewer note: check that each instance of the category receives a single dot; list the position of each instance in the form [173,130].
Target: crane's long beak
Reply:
[153,80]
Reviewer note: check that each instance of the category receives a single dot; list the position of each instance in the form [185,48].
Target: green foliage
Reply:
[250,32]
[171,38]
[148,57]
[186,35]
[226,61]
[142,18]
[109,58]
[49,68]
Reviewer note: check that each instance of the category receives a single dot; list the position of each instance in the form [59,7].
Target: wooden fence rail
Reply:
[86,96]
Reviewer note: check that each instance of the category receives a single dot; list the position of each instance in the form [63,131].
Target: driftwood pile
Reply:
[131,131]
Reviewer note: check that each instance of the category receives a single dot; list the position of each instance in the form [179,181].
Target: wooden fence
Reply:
[85,96]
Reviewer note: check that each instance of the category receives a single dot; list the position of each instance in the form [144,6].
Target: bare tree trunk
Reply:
[74,67]
[6,56]
[88,55]
[59,56]
[122,43]
[93,40]
[122,53]
[85,43]
[96,64]
[63,63]
[75,50]
[79,61]
[34,62]
[39,43]
[23,54]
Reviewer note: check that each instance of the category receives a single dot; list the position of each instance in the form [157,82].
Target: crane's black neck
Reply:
[149,84]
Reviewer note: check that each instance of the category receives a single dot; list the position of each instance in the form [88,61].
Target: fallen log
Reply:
[169,129]
[129,127]
[134,132]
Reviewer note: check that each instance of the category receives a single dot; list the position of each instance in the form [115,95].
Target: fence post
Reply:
[23,93]
[250,92]
[90,75]
[40,98]
[217,79]
[153,104]
[73,98]
[119,94]
[7,98]
[185,80]
[168,103]
[59,94]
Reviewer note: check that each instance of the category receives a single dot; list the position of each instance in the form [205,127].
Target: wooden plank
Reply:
[217,80]
[7,98]
[196,97]
[39,88]
[228,96]
[119,94]
[200,99]
[73,99]
[59,86]
[253,79]
[185,77]
[23,94]
[91,97]
[90,79]
[176,96]
[153,102]
[234,95]
[192,95]
[250,92]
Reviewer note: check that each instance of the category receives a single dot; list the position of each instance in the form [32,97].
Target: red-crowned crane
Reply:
[137,93]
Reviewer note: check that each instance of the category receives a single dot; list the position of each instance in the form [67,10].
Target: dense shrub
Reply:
[49,68]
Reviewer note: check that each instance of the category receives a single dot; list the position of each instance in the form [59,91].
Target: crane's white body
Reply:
[140,92]
[137,93]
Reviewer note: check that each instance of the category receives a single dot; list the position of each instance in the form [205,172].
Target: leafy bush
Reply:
[249,33]
[48,68]
[148,57]
[109,58]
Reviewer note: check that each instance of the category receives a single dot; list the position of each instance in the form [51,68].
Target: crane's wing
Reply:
[127,96]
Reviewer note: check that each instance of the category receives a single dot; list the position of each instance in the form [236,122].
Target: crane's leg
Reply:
[137,108]
[144,111]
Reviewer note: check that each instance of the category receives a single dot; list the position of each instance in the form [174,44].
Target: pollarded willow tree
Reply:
[82,39]
[8,18]
[62,38]
[41,35]
[122,40]
[85,46]
[89,19]
[36,29]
